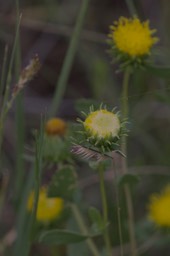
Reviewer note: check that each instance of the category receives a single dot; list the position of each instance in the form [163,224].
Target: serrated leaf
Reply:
[160,71]
[130,179]
[60,237]
[63,183]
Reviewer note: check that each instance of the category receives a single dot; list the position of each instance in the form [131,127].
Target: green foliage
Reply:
[98,225]
[63,183]
[160,71]
[60,237]
[56,149]
[148,144]
[130,179]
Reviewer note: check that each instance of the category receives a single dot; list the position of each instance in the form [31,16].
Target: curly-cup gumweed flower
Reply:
[55,126]
[159,208]
[48,209]
[102,123]
[102,129]
[131,39]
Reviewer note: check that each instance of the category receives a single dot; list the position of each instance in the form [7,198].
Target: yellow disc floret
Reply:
[133,37]
[159,208]
[48,208]
[102,124]
[55,126]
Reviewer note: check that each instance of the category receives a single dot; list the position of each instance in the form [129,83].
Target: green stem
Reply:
[84,229]
[131,7]
[63,78]
[105,211]
[38,174]
[118,207]
[125,112]
[22,230]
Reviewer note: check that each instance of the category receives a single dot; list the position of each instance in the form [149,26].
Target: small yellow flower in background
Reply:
[48,209]
[55,126]
[102,123]
[132,37]
[159,208]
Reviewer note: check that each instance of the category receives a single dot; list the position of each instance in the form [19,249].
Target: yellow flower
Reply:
[102,130]
[102,123]
[48,208]
[132,37]
[55,126]
[159,208]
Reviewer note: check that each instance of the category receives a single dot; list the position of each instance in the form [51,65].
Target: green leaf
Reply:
[160,71]
[97,221]
[60,237]
[63,183]
[56,149]
[130,179]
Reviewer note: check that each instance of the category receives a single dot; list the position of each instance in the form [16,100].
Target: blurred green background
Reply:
[46,28]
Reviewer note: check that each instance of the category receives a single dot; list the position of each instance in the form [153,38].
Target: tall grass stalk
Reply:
[125,113]
[7,86]
[131,6]
[68,61]
[19,119]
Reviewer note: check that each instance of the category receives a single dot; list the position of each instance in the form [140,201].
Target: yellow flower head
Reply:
[102,129]
[48,208]
[132,37]
[55,126]
[159,208]
[102,123]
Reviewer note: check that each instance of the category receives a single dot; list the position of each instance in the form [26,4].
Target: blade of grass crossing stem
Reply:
[84,229]
[68,61]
